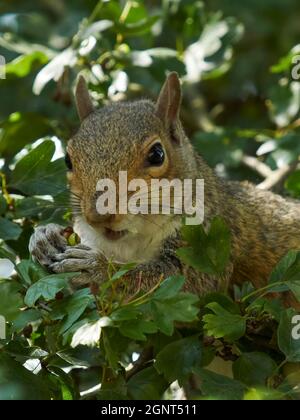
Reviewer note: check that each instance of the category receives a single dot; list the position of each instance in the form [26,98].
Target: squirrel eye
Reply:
[156,155]
[68,162]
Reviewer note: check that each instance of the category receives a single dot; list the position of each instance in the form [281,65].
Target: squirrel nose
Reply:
[97,219]
[93,216]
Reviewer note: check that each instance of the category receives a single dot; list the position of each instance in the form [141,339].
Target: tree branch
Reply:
[260,167]
[272,178]
[145,357]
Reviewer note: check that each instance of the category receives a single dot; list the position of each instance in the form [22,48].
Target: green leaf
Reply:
[72,308]
[30,272]
[115,345]
[19,130]
[253,368]
[17,383]
[289,346]
[24,64]
[219,387]
[284,103]
[290,384]
[219,146]
[219,244]
[3,205]
[294,286]
[9,230]
[68,356]
[114,389]
[223,323]
[241,291]
[263,394]
[282,271]
[33,207]
[136,329]
[169,287]
[11,300]
[178,308]
[273,307]
[35,174]
[147,385]
[292,184]
[287,271]
[24,318]
[23,352]
[47,287]
[208,253]
[178,359]
[7,254]
[223,300]
[67,384]
[286,62]
[124,270]
[138,28]
[125,313]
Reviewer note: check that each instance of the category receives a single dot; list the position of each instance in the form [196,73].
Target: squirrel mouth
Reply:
[114,235]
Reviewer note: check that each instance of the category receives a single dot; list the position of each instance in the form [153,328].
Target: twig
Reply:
[145,357]
[260,167]
[272,178]
[5,191]
[45,307]
[276,177]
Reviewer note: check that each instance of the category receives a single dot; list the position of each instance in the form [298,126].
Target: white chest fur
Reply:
[139,247]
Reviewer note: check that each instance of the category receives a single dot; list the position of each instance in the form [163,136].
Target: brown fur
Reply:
[264,226]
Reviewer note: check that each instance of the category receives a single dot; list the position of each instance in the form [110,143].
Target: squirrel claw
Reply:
[75,258]
[75,252]
[46,242]
[73,264]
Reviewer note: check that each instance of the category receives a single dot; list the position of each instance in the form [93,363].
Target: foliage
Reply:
[231,57]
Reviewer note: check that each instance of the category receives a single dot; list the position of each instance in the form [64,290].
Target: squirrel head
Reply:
[143,138]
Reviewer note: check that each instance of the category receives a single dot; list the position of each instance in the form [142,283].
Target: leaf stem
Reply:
[5,192]
[141,298]
[123,17]
[95,12]
[85,23]
[263,289]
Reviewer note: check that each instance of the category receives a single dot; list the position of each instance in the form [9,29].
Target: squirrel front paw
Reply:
[75,258]
[46,242]
[80,258]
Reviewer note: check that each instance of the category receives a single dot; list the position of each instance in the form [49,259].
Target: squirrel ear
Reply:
[82,98]
[169,100]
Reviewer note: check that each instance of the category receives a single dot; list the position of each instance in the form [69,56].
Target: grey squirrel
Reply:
[121,136]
